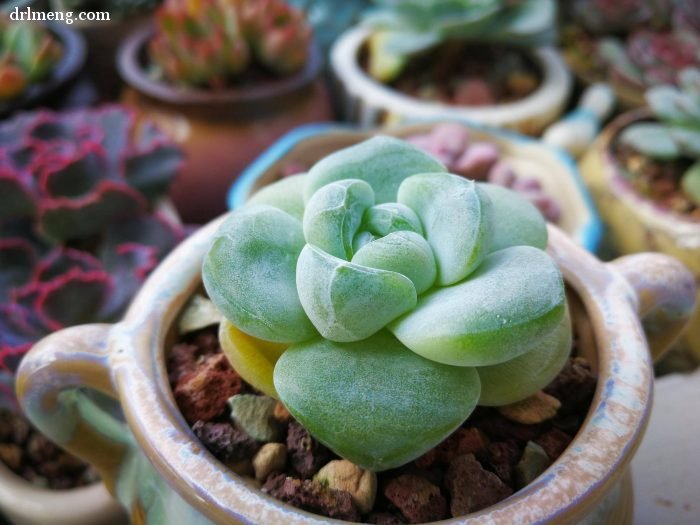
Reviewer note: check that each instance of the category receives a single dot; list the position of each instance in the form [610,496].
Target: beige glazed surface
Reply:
[162,474]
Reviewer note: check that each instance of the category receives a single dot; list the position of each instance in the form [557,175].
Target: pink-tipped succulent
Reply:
[28,54]
[210,43]
[77,234]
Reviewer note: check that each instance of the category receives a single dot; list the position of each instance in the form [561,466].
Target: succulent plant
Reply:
[208,43]
[76,173]
[381,298]
[329,18]
[676,133]
[28,54]
[408,27]
[116,8]
[602,17]
[77,236]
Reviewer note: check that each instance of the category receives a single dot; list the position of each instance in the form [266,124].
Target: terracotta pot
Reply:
[162,474]
[222,131]
[634,222]
[555,170]
[64,72]
[369,102]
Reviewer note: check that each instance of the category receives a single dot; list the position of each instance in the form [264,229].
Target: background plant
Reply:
[404,28]
[116,8]
[399,296]
[28,55]
[78,231]
[676,133]
[211,43]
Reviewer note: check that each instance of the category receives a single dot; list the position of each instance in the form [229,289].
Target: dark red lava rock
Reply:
[202,394]
[462,441]
[554,442]
[418,500]
[574,386]
[227,443]
[310,495]
[472,488]
[502,457]
[306,455]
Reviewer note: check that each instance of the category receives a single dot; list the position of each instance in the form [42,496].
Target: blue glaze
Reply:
[589,236]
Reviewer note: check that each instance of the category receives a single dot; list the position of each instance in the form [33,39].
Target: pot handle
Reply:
[665,295]
[51,388]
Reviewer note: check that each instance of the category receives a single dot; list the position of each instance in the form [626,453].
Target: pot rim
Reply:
[554,88]
[568,490]
[649,211]
[72,61]
[133,73]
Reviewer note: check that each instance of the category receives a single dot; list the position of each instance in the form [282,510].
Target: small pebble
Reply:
[574,386]
[254,415]
[271,457]
[472,488]
[199,313]
[533,463]
[450,139]
[537,408]
[227,443]
[462,441]
[11,455]
[281,414]
[474,92]
[502,456]
[502,174]
[341,474]
[417,499]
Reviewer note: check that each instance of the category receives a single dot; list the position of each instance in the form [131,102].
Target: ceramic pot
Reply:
[63,74]
[221,131]
[369,102]
[555,170]
[635,223]
[162,473]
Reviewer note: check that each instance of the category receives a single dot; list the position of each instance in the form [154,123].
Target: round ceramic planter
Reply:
[162,474]
[220,131]
[68,67]
[555,170]
[635,223]
[369,102]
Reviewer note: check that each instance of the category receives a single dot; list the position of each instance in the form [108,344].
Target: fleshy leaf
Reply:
[152,171]
[253,359]
[401,404]
[17,258]
[651,139]
[403,252]
[517,221]
[334,214]
[348,302]
[383,162]
[521,377]
[250,274]
[514,298]
[388,217]
[287,194]
[16,194]
[456,217]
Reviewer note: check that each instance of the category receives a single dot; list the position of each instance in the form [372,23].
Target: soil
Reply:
[29,454]
[657,180]
[487,459]
[468,74]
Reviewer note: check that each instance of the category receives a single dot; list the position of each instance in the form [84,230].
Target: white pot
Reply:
[369,102]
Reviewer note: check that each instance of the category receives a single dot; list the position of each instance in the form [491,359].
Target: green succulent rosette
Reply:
[397,297]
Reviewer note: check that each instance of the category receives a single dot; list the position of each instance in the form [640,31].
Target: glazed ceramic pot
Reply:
[555,170]
[70,64]
[223,131]
[162,474]
[369,102]
[635,223]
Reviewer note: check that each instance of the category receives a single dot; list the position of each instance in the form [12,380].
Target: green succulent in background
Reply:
[390,297]
[676,134]
[116,8]
[28,54]
[403,28]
